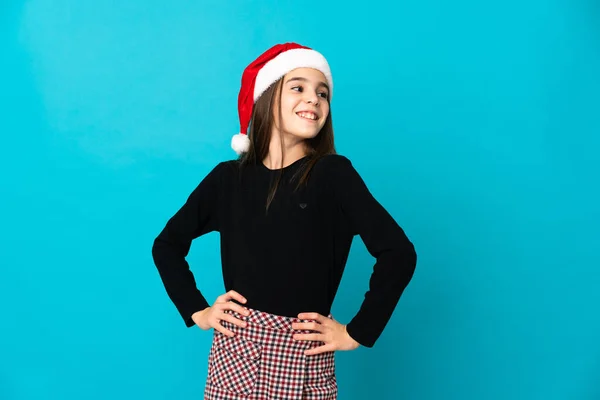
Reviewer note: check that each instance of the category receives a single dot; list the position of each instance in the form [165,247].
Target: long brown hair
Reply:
[260,131]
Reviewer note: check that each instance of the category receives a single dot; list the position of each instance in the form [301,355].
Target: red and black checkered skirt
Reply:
[262,361]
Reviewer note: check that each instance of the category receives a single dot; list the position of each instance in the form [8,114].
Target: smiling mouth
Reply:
[307,115]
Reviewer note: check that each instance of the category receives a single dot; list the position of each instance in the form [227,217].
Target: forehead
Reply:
[310,74]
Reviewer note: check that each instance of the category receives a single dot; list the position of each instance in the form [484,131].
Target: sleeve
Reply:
[386,241]
[197,216]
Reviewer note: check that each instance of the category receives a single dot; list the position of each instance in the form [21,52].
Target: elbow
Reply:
[412,258]
[168,247]
[155,249]
[409,258]
[158,248]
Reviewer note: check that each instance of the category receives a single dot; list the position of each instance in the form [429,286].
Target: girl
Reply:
[287,210]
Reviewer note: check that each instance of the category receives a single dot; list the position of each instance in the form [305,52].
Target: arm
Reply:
[196,217]
[386,241]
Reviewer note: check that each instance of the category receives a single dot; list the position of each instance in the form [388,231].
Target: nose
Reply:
[312,98]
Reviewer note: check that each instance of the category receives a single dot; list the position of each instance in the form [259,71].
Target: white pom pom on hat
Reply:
[263,72]
[240,143]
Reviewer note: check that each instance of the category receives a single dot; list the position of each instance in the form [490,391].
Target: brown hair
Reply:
[260,130]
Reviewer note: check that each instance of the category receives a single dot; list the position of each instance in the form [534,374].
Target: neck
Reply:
[291,153]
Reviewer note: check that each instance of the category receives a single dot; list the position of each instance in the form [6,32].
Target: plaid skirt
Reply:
[263,362]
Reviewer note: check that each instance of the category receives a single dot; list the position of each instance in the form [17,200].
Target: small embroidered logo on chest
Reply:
[303,205]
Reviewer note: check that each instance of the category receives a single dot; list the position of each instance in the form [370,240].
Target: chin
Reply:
[305,134]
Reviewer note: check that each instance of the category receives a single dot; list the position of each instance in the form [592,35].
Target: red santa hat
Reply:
[263,72]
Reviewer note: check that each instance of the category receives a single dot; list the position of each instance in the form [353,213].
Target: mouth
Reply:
[308,115]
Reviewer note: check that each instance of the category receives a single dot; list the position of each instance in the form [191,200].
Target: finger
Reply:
[232,295]
[224,330]
[312,315]
[236,307]
[311,326]
[321,349]
[313,337]
[234,320]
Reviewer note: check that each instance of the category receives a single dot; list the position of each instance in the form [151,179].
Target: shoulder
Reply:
[336,166]
[334,162]
[225,168]
[219,172]
[336,172]
[339,173]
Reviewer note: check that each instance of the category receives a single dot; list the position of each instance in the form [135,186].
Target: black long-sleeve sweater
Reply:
[289,259]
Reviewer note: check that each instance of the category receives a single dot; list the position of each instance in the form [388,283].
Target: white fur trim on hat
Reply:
[240,143]
[288,61]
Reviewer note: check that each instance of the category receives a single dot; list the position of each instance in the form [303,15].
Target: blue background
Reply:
[475,124]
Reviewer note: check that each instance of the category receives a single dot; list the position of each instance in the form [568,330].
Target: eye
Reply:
[300,89]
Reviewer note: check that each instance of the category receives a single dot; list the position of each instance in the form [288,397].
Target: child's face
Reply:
[304,103]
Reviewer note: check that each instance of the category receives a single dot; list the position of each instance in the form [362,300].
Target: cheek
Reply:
[288,105]
[325,111]
[287,111]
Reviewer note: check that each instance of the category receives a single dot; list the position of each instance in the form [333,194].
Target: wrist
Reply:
[356,344]
[197,316]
